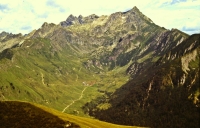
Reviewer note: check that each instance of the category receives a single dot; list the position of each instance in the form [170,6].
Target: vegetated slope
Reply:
[165,94]
[53,65]
[37,72]
[28,115]
[22,114]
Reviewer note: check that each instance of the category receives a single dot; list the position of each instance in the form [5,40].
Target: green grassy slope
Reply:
[24,114]
[42,72]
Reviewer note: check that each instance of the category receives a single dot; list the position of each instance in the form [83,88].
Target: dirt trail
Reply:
[42,78]
[75,100]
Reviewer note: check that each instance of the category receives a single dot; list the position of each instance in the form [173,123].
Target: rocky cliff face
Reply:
[73,20]
[165,94]
[9,40]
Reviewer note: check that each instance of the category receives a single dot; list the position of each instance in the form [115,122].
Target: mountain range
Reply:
[120,68]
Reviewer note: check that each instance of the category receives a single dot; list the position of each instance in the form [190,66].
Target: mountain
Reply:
[120,68]
[9,40]
[164,95]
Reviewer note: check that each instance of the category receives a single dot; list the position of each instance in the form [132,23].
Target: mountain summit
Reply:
[120,68]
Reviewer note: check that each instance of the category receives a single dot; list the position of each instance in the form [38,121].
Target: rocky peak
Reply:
[80,17]
[133,10]
[93,16]
[3,35]
[71,20]
[45,24]
[90,18]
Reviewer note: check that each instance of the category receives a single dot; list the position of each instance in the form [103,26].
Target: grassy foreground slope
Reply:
[24,114]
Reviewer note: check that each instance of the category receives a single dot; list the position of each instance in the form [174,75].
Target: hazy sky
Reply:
[23,16]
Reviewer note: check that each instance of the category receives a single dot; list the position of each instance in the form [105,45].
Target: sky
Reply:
[23,16]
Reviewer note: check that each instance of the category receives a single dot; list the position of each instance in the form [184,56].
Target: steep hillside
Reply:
[39,72]
[9,40]
[164,95]
[28,115]
[53,73]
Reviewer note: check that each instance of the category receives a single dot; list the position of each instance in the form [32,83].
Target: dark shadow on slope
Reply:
[161,96]
[22,114]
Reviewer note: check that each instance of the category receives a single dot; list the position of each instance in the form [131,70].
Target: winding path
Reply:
[75,100]
[42,76]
